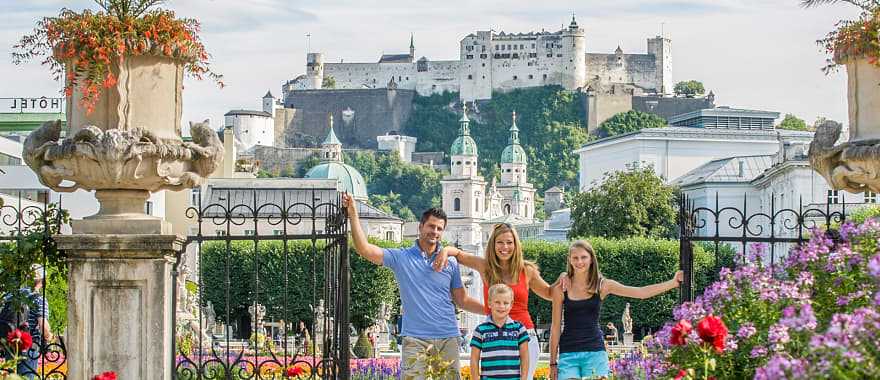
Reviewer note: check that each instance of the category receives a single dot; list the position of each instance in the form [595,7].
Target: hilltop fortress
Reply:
[490,61]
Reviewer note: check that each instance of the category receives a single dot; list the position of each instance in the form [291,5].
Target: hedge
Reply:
[370,284]
[633,262]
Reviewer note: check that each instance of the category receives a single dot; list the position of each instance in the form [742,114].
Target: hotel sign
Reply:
[32,105]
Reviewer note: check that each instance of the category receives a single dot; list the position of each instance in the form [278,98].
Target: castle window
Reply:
[514,77]
[531,76]
[458,162]
[484,77]
[484,65]
[407,78]
[520,46]
[483,56]
[508,170]
[470,56]
[545,76]
[483,48]
[515,55]
[514,47]
[559,55]
[456,204]
[503,47]
[470,76]
[533,46]
[507,209]
[550,55]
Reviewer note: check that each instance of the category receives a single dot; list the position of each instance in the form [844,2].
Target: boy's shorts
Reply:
[578,365]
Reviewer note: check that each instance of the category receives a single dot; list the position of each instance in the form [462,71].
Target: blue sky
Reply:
[752,53]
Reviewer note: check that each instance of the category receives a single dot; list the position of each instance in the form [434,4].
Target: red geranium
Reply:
[712,331]
[109,375]
[294,371]
[681,374]
[19,340]
[680,332]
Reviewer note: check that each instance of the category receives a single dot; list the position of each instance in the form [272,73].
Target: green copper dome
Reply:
[464,144]
[513,153]
[351,179]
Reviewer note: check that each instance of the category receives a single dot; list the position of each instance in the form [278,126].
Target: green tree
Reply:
[626,204]
[793,123]
[304,167]
[392,204]
[328,82]
[629,121]
[689,88]
[416,185]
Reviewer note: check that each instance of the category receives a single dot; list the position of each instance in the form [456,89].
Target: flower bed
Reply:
[815,316]
[300,367]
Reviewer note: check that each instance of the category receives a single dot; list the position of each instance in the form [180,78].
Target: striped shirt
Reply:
[499,348]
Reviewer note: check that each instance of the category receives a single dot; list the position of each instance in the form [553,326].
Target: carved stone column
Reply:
[120,304]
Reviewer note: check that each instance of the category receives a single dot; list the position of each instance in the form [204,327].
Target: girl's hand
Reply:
[679,277]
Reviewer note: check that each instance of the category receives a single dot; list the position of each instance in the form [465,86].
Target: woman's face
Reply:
[579,259]
[504,246]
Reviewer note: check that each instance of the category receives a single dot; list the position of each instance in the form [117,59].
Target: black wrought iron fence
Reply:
[27,254]
[269,292]
[776,228]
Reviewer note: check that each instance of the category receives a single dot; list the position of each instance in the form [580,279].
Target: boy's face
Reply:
[500,305]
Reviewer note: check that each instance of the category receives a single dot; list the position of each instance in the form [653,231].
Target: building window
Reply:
[833,197]
[195,196]
[507,209]
[250,232]
[148,208]
[477,205]
[470,76]
[870,197]
[483,56]
[514,77]
[389,235]
[531,76]
[456,204]
[545,76]
[470,56]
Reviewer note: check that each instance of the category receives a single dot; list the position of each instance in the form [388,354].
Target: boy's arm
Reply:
[475,363]
[363,247]
[524,360]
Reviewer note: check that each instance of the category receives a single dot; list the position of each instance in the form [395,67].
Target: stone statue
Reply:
[627,326]
[257,312]
[210,317]
[183,301]
[627,320]
[851,166]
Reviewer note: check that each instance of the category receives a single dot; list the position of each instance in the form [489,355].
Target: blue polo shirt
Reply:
[426,295]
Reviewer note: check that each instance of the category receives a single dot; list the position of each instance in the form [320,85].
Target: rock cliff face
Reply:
[360,115]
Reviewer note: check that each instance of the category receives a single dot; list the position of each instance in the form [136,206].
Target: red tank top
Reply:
[519,311]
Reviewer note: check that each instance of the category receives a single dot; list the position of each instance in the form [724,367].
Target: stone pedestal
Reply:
[120,304]
[627,339]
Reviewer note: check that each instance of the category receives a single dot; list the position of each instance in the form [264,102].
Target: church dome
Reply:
[464,146]
[513,154]
[352,180]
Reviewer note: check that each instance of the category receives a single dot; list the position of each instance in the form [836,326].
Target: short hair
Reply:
[436,212]
[499,289]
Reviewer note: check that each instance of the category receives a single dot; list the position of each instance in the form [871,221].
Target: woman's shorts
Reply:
[578,365]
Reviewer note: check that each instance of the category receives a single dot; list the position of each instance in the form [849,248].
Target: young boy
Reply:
[500,345]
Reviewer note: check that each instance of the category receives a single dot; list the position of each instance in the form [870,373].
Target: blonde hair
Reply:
[593,273]
[494,270]
[498,290]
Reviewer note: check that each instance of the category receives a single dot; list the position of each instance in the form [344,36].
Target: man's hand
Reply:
[442,258]
[349,204]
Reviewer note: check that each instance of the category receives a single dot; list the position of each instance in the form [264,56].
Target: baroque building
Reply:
[489,61]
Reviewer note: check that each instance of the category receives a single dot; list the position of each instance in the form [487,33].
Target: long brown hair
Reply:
[494,270]
[593,273]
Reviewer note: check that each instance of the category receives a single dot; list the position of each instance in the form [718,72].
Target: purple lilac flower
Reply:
[781,366]
[758,351]
[874,266]
[778,336]
[877,299]
[746,331]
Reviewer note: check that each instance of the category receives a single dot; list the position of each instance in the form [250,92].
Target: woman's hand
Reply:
[442,258]
[554,372]
[679,277]
[563,281]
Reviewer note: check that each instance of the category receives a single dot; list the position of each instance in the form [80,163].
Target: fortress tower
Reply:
[314,71]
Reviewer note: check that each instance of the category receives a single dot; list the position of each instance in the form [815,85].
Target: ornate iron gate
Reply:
[778,228]
[26,229]
[256,249]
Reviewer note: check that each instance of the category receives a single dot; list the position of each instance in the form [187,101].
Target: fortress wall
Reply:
[371,75]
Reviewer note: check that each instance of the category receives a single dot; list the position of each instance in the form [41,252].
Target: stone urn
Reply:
[128,146]
[853,165]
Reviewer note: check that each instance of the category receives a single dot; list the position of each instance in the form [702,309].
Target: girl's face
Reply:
[504,246]
[579,259]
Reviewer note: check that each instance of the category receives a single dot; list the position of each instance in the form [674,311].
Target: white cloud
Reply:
[752,53]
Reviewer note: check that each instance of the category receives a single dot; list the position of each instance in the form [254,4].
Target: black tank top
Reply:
[581,330]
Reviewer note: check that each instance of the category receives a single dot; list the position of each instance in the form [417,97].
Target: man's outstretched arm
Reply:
[363,247]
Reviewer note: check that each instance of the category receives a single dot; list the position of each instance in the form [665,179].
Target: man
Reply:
[428,296]
[37,322]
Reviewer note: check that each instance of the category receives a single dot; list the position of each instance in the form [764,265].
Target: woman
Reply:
[581,349]
[504,263]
